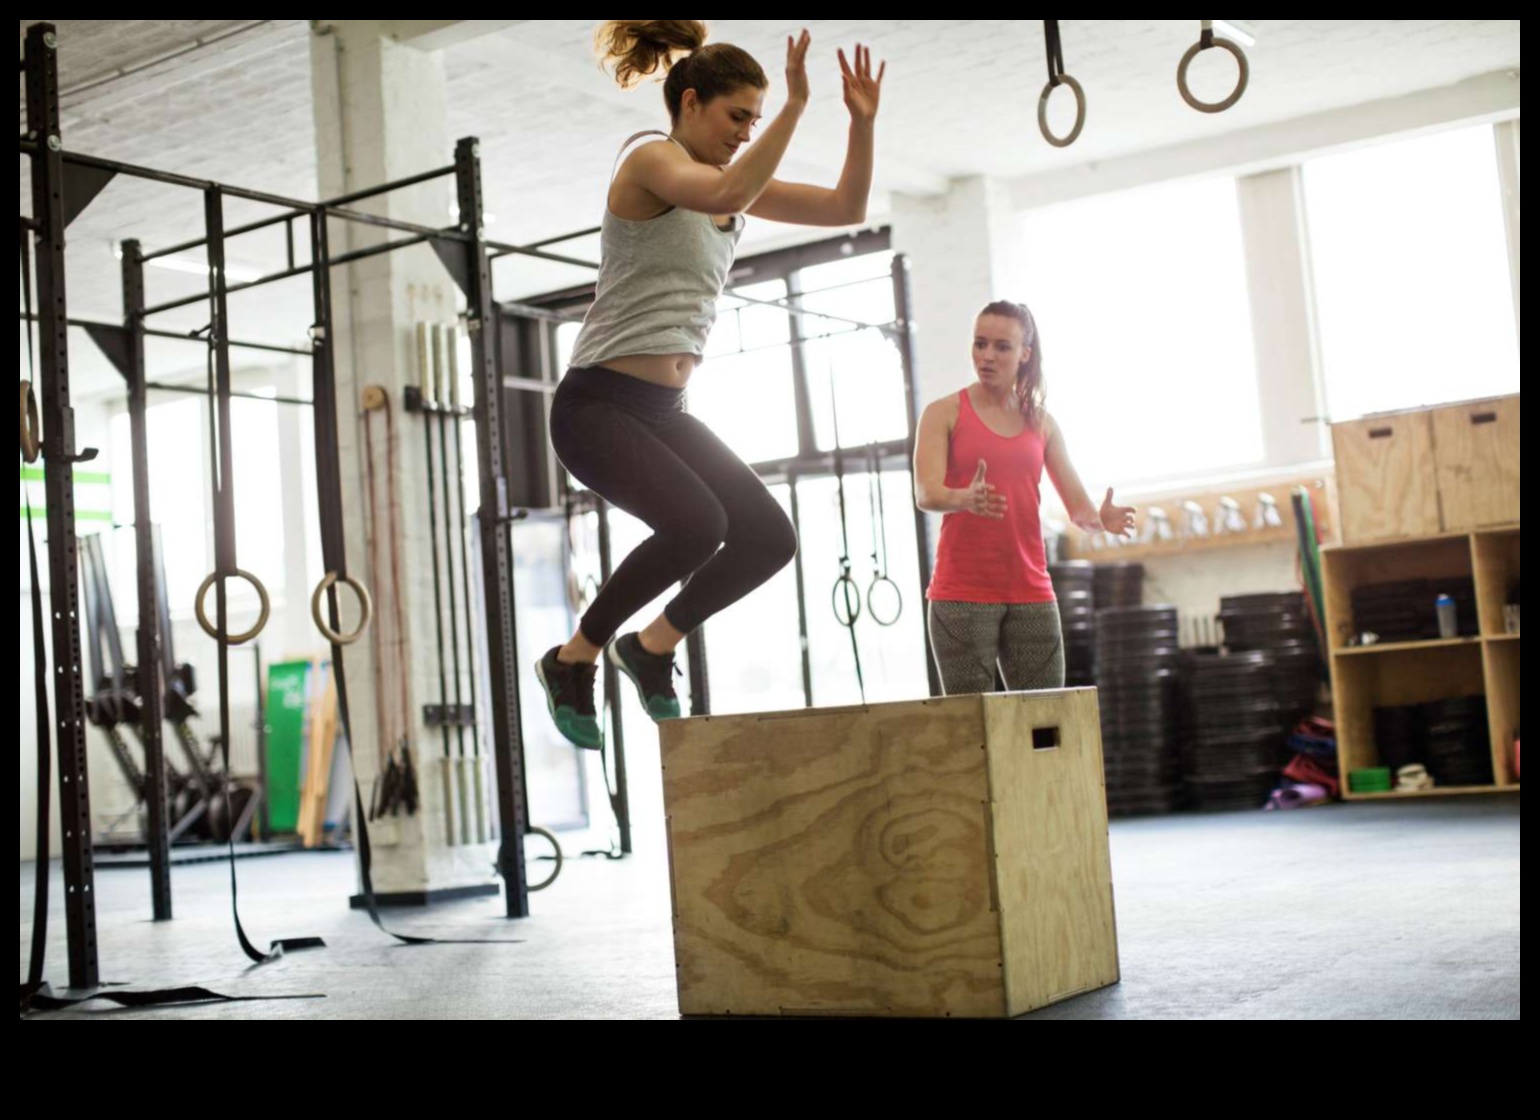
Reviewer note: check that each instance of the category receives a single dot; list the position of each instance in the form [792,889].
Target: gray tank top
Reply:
[658,283]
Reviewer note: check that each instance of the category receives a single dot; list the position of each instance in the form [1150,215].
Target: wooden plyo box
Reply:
[935,859]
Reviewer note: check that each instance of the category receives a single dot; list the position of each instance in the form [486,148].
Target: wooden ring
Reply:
[262,616]
[365,605]
[560,859]
[31,433]
[1080,110]
[1240,89]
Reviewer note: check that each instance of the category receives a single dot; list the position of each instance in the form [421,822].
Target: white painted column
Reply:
[297,636]
[1278,276]
[966,247]
[1508,168]
[381,116]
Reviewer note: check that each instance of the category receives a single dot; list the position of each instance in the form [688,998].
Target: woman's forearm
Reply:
[940,499]
[747,178]
[855,185]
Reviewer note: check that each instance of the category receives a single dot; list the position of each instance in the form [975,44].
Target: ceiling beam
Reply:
[441,34]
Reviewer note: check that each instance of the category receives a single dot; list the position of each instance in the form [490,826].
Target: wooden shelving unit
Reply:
[1102,550]
[1394,674]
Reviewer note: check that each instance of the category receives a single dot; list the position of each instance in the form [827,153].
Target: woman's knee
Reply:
[697,538]
[770,538]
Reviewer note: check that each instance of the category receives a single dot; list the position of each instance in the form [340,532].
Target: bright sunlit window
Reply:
[1145,324]
[743,391]
[179,484]
[1412,283]
[861,369]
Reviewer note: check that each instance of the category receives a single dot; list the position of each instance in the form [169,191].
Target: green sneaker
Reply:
[653,675]
[569,695]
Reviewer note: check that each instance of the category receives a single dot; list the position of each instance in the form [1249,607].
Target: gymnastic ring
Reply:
[560,858]
[1193,52]
[213,631]
[365,606]
[846,588]
[31,434]
[871,601]
[1042,112]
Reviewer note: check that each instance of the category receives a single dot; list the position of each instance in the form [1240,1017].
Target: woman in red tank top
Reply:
[979,460]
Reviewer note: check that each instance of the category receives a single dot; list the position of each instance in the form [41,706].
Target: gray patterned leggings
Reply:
[1025,641]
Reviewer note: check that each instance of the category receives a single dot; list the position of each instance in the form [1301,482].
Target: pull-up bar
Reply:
[175,336]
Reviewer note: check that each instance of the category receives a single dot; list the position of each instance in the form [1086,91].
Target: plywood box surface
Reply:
[944,858]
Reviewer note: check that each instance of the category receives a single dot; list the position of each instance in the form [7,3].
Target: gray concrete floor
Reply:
[1406,911]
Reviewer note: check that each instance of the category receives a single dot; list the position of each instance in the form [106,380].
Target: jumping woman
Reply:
[675,212]
[979,460]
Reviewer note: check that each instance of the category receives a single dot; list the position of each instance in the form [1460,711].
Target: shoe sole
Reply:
[612,651]
[550,706]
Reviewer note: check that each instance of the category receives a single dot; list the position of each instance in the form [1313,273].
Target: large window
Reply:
[744,391]
[1145,323]
[748,392]
[179,482]
[1413,289]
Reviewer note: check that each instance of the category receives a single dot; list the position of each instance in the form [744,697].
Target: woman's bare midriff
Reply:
[669,370]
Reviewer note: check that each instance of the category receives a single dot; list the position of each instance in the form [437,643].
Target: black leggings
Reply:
[713,522]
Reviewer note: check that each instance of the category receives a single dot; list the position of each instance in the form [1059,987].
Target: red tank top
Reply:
[980,560]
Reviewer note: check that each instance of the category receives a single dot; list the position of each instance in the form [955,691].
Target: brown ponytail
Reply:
[1030,387]
[639,48]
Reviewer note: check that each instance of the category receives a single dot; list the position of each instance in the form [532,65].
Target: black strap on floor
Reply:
[37,996]
[222,463]
[45,1000]
[328,471]
[846,593]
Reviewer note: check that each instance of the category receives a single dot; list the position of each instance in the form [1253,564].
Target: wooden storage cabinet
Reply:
[936,859]
[1397,674]
[1387,485]
[1411,475]
[1476,449]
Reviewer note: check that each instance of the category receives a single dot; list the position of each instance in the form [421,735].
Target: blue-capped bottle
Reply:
[1448,617]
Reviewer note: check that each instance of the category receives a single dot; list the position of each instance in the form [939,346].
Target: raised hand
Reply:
[796,67]
[983,500]
[1117,520]
[863,90]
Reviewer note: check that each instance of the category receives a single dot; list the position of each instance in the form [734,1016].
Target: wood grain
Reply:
[1476,448]
[316,789]
[1502,676]
[1496,557]
[1079,544]
[833,863]
[1345,569]
[1397,679]
[1053,865]
[1387,483]
[899,860]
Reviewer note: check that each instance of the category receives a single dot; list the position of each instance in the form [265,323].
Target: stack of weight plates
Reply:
[1407,611]
[1138,671]
[1119,585]
[1281,625]
[1235,741]
[1074,584]
[1450,737]
[1459,742]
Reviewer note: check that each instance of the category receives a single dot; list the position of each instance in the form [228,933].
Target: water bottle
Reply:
[1448,618]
